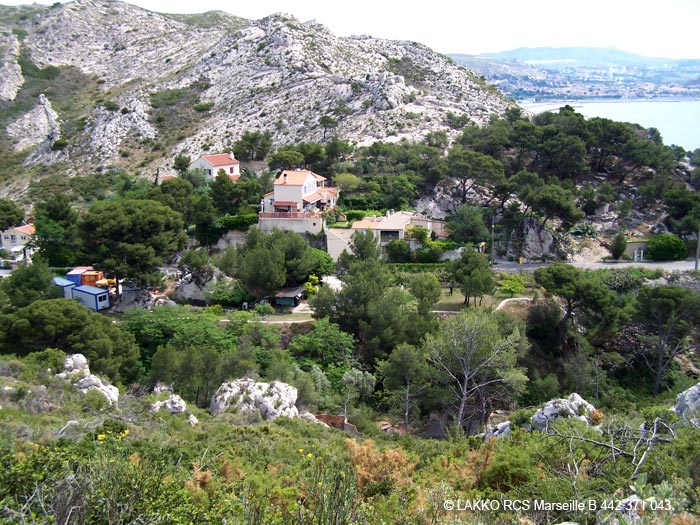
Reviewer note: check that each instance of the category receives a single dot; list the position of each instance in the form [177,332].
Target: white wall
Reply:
[314,225]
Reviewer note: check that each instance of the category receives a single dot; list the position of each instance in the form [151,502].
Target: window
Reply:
[101,298]
[230,170]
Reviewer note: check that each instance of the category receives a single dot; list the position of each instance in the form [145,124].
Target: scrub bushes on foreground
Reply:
[293,472]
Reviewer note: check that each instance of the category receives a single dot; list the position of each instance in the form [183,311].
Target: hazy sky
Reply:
[666,28]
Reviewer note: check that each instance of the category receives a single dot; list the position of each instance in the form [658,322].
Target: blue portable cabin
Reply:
[65,285]
[94,298]
[75,274]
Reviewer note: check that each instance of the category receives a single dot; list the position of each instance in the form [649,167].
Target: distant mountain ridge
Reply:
[125,86]
[582,56]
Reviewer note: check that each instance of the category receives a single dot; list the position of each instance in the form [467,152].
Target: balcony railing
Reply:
[289,215]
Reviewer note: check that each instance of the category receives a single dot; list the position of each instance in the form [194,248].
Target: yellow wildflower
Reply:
[309,455]
[101,437]
[301,451]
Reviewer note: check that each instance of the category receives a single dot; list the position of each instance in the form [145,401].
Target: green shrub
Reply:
[168,97]
[110,105]
[238,222]
[354,215]
[203,107]
[623,281]
[398,251]
[522,416]
[59,144]
[95,401]
[618,246]
[666,247]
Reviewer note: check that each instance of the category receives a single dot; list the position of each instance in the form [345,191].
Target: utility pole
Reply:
[697,247]
[493,244]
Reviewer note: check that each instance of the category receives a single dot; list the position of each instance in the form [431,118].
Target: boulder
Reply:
[308,416]
[269,400]
[688,405]
[532,242]
[76,369]
[174,404]
[73,365]
[161,387]
[499,431]
[573,406]
[92,382]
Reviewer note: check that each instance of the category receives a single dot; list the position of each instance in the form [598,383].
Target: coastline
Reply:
[530,104]
[676,118]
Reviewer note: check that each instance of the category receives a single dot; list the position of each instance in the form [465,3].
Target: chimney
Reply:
[230,154]
[284,177]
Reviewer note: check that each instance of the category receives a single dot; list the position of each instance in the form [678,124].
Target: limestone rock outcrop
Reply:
[76,370]
[38,126]
[276,74]
[688,405]
[174,405]
[499,431]
[11,78]
[269,400]
[572,407]
[532,242]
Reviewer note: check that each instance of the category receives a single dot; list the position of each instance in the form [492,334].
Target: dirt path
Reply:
[504,302]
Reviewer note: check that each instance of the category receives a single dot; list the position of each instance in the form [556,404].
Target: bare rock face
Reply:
[11,78]
[532,242]
[76,370]
[688,405]
[573,406]
[269,400]
[38,126]
[276,74]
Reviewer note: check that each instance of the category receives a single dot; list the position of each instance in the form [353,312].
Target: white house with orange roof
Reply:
[212,164]
[296,203]
[15,241]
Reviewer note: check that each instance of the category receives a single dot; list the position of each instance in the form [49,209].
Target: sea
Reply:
[678,121]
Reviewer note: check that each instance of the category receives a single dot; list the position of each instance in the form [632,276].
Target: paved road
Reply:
[688,264]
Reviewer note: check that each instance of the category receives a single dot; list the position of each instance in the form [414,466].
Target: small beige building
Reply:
[390,227]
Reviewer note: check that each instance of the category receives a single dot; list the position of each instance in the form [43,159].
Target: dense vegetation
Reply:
[381,347]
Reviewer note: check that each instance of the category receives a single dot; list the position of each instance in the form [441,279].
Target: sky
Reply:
[666,28]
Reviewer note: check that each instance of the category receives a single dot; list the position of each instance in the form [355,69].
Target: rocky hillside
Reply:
[125,86]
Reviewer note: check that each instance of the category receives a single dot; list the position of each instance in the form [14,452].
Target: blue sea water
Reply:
[678,121]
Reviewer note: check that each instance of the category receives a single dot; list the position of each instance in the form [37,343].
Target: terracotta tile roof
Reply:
[220,159]
[27,229]
[234,178]
[314,197]
[365,224]
[321,193]
[297,177]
